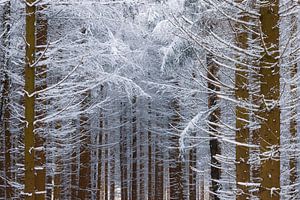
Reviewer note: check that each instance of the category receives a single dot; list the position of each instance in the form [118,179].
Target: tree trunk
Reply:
[270,111]
[100,159]
[106,160]
[159,170]
[192,174]
[112,174]
[141,166]
[214,117]
[175,166]
[29,190]
[242,114]
[150,183]
[85,154]
[40,154]
[134,150]
[123,154]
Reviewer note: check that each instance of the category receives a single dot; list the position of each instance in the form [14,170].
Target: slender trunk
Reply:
[123,153]
[106,160]
[141,166]
[192,174]
[214,116]
[29,190]
[175,166]
[242,115]
[159,170]
[40,154]
[150,183]
[112,174]
[85,154]
[134,150]
[100,159]
[270,111]
[254,91]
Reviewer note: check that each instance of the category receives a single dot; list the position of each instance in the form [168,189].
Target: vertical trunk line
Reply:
[214,144]
[29,181]
[242,115]
[40,154]
[270,110]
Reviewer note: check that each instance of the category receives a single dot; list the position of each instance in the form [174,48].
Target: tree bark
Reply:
[29,190]
[192,174]
[123,153]
[134,150]
[85,154]
[175,166]
[150,182]
[242,114]
[270,111]
[159,170]
[112,174]
[214,118]
[100,159]
[40,154]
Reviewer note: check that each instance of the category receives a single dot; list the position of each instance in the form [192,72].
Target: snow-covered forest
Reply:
[149,99]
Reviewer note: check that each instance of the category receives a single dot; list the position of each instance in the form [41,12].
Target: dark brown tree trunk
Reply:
[123,154]
[99,165]
[150,182]
[175,165]
[30,38]
[40,154]
[141,166]
[106,160]
[242,114]
[214,117]
[270,110]
[159,170]
[192,174]
[134,150]
[85,154]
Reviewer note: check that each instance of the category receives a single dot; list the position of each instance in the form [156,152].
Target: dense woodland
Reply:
[149,99]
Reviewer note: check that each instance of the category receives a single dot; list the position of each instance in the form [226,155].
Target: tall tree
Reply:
[85,154]
[100,156]
[150,170]
[214,117]
[159,169]
[270,110]
[176,165]
[29,181]
[123,153]
[134,181]
[41,71]
[242,113]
